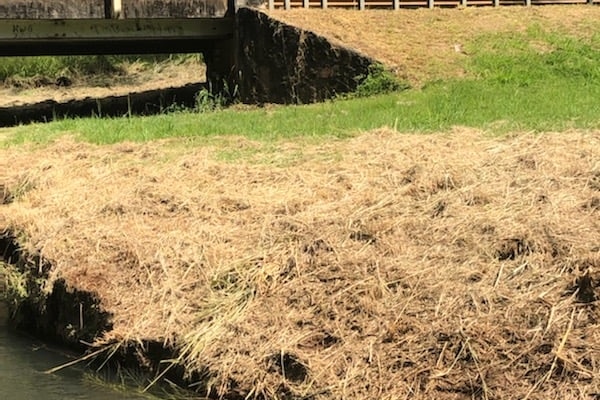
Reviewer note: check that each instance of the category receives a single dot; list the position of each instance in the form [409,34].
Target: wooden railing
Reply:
[397,4]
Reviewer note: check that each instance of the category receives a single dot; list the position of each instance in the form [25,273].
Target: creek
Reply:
[22,377]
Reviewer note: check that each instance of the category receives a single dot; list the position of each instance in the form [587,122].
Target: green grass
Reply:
[52,67]
[23,69]
[533,81]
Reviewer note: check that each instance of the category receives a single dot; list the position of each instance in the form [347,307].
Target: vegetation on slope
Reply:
[525,81]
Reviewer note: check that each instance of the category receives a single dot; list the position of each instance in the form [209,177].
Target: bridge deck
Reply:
[55,27]
[19,37]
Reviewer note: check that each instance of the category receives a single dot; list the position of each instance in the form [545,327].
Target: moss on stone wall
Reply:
[280,63]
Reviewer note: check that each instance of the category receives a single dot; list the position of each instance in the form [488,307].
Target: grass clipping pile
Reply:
[386,266]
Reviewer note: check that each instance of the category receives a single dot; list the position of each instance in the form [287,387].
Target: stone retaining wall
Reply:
[280,63]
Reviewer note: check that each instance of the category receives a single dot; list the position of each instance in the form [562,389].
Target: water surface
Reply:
[22,377]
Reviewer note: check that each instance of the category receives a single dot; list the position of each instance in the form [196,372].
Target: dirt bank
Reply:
[3,304]
[386,266]
[135,103]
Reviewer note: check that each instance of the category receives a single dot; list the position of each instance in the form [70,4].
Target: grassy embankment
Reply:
[442,268]
[31,70]
[537,81]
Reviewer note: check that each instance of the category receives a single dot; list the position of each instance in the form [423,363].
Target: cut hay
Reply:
[387,266]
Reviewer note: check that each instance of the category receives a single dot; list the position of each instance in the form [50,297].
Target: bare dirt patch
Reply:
[423,44]
[383,267]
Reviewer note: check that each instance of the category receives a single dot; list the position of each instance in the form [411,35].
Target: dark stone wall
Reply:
[279,63]
[52,9]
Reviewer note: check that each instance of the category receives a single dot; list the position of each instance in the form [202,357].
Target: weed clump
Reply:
[379,80]
[13,286]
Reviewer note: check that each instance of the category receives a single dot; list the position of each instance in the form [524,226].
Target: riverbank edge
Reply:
[75,320]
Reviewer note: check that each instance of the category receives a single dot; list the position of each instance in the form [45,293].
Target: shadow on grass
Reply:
[142,103]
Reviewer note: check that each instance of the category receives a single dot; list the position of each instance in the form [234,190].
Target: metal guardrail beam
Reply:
[20,37]
[398,4]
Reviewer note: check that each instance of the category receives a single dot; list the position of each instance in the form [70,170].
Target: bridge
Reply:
[265,60]
[75,27]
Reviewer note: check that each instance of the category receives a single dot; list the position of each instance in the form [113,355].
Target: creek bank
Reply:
[60,315]
[141,103]
[3,311]
[74,319]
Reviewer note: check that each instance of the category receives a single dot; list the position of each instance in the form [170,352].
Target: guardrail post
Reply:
[271,4]
[287,4]
[361,4]
[496,3]
[113,9]
[306,3]
[107,9]
[430,3]
[323,4]
[396,4]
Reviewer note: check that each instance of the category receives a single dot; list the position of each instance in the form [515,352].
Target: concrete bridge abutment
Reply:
[268,61]
[246,52]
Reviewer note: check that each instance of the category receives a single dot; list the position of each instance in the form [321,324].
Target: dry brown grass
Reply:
[384,267]
[421,44]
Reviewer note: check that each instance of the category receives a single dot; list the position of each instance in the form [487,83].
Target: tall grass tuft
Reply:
[52,67]
[29,70]
[379,80]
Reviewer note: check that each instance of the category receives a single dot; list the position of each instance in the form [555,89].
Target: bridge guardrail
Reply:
[398,4]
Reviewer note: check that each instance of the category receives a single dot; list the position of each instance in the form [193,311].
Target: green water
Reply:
[22,377]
